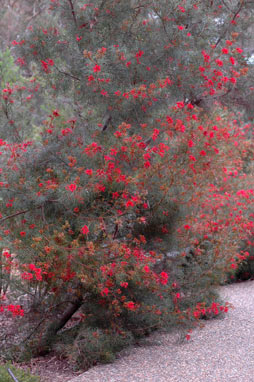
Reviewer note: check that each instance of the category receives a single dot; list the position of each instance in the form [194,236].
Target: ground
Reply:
[49,368]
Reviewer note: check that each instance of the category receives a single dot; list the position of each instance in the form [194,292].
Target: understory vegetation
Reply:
[126,171]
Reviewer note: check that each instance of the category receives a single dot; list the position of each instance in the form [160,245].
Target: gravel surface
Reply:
[222,351]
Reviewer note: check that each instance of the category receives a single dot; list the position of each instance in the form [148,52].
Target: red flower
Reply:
[164,278]
[38,276]
[32,267]
[44,66]
[232,60]
[130,305]
[233,80]
[97,68]
[89,172]
[206,56]
[84,230]
[224,50]
[90,78]
[56,113]
[182,9]
[129,203]
[50,62]
[27,276]
[219,62]
[71,187]
[180,105]
[21,61]
[104,292]
[66,131]
[115,195]
[22,233]
[6,254]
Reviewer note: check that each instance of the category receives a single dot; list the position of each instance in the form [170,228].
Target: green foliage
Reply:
[102,335]
[8,69]
[20,374]
[113,155]
[244,271]
[93,345]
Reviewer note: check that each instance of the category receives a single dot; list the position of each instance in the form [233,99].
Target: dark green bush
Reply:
[244,272]
[245,268]
[95,345]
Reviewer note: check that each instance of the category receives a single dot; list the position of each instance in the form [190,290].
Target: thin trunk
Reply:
[55,326]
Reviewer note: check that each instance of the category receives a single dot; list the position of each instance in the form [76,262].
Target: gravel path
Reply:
[223,351]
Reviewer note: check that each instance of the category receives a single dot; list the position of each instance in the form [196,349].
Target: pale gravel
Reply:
[223,351]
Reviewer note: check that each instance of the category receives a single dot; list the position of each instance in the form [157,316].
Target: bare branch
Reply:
[227,28]
[13,215]
[17,214]
[67,74]
[73,13]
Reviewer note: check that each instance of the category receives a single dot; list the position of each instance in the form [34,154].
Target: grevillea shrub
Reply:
[124,167]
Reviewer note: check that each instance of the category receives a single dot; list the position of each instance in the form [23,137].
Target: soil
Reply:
[51,368]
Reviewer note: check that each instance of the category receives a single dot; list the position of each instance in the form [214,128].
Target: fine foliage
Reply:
[126,186]
[18,373]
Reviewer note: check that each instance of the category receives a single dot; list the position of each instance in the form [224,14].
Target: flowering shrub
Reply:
[130,169]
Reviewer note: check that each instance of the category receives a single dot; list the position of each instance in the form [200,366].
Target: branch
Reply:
[60,159]
[234,17]
[13,215]
[44,318]
[12,375]
[73,13]
[58,324]
[67,74]
[18,213]
[223,1]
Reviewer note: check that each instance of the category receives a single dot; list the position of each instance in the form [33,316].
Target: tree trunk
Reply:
[51,331]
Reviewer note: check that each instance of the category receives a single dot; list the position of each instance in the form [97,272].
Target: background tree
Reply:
[134,152]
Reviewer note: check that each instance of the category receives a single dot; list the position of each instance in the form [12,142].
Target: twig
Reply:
[60,159]
[73,13]
[18,213]
[13,215]
[234,17]
[12,375]
[67,74]
[43,319]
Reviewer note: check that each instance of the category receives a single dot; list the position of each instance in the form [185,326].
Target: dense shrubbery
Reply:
[109,164]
